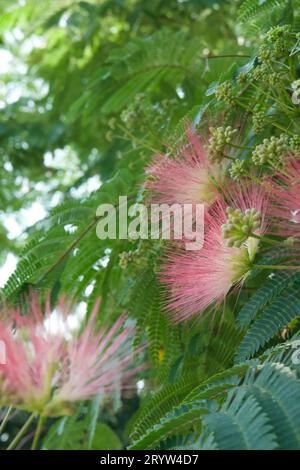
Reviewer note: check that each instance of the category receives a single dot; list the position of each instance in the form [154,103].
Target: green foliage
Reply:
[254,414]
[247,425]
[70,434]
[279,313]
[252,8]
[142,65]
[268,311]
[155,408]
[270,290]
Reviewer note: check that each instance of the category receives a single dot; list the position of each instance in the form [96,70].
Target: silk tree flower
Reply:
[188,178]
[285,199]
[197,279]
[46,373]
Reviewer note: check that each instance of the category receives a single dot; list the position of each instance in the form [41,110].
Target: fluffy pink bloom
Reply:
[196,279]
[285,191]
[46,372]
[189,178]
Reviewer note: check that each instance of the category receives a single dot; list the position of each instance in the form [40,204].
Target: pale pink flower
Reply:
[196,279]
[188,178]
[47,373]
[285,200]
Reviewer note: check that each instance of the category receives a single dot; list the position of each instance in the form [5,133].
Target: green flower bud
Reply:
[280,39]
[220,138]
[295,143]
[240,226]
[271,151]
[124,258]
[258,121]
[237,170]
[224,92]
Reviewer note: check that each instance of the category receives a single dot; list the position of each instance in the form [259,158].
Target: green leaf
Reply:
[272,319]
[71,434]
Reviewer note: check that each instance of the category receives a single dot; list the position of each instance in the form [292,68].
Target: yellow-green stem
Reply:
[263,239]
[268,240]
[21,433]
[39,429]
[280,267]
[5,419]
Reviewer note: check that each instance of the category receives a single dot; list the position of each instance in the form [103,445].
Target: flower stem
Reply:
[241,147]
[38,432]
[265,239]
[21,433]
[244,106]
[270,266]
[5,419]
[269,240]
[233,159]
[285,129]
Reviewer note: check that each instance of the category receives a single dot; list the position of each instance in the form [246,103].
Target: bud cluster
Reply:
[125,257]
[271,151]
[280,39]
[258,120]
[296,91]
[240,225]
[237,169]
[220,138]
[224,92]
[295,143]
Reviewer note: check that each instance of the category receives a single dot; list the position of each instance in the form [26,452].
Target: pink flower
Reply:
[189,178]
[196,279]
[285,191]
[47,373]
